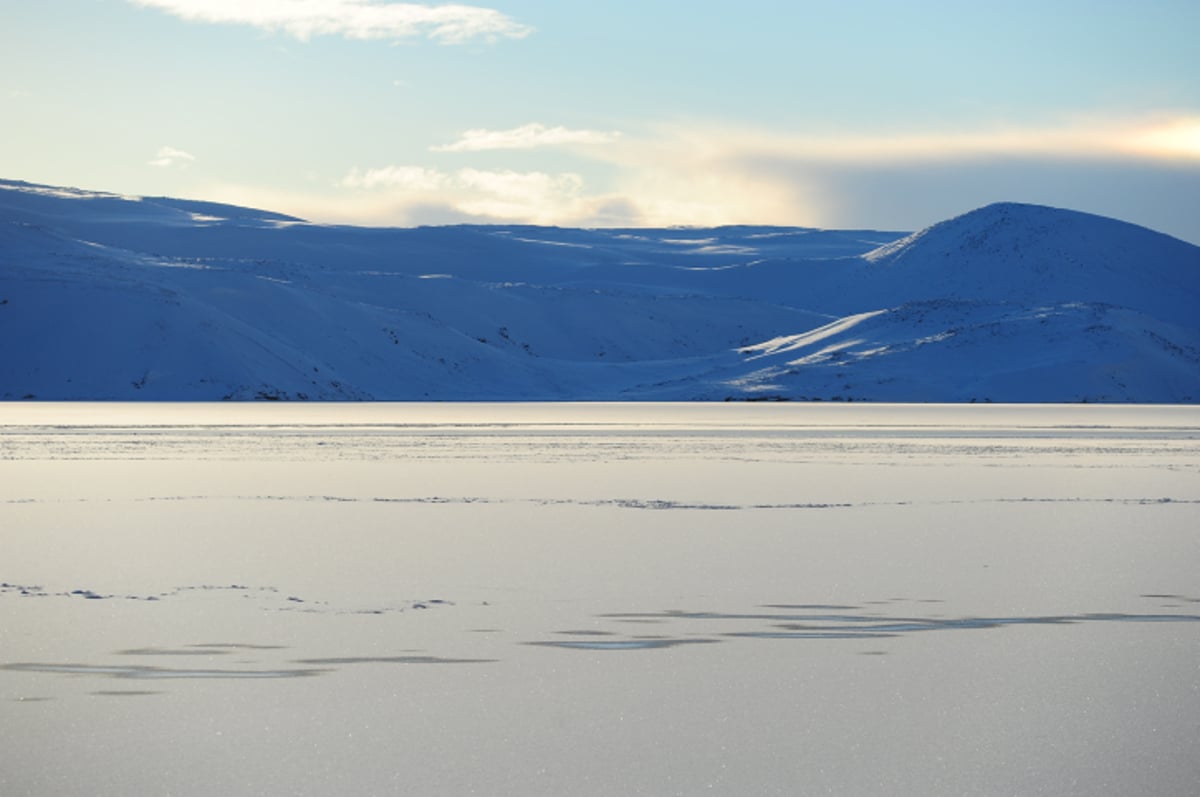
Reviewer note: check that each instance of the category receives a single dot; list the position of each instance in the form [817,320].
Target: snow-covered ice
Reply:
[528,599]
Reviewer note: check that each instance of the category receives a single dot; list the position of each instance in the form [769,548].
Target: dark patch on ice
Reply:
[204,649]
[642,620]
[89,594]
[173,652]
[622,644]
[24,590]
[315,666]
[813,606]
[125,692]
[336,661]
[819,625]
[267,598]
[811,634]
[153,673]
[659,504]
[637,503]
[1171,596]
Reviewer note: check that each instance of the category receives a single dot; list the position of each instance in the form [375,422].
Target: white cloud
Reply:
[352,19]
[169,156]
[528,136]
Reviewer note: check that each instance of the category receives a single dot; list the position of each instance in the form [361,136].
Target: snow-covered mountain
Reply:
[111,297]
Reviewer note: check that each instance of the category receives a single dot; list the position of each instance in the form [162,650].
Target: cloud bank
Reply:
[701,173]
[476,194]
[352,19]
[706,174]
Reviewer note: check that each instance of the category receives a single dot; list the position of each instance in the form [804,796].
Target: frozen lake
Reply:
[596,599]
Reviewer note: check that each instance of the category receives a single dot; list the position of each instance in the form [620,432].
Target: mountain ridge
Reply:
[108,297]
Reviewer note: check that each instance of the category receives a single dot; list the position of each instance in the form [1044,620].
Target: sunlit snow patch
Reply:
[793,342]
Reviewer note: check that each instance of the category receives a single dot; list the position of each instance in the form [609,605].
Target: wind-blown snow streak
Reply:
[790,343]
[110,297]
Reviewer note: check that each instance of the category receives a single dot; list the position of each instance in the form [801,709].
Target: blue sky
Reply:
[658,112]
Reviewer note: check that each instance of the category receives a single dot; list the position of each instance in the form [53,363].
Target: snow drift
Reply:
[125,298]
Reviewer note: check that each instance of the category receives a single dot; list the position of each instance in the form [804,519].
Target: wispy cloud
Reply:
[1167,136]
[515,195]
[412,178]
[530,136]
[1178,138]
[169,156]
[352,19]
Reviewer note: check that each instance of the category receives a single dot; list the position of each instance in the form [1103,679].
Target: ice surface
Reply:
[594,599]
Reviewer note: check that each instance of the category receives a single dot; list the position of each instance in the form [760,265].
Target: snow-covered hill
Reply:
[111,297]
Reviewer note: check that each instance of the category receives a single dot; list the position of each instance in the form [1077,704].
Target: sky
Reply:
[848,114]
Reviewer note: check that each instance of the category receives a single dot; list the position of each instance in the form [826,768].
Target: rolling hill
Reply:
[108,297]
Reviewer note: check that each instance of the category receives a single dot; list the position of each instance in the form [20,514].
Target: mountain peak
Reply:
[1013,228]
[1016,252]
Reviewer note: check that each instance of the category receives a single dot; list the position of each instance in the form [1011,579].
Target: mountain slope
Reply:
[110,297]
[958,350]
